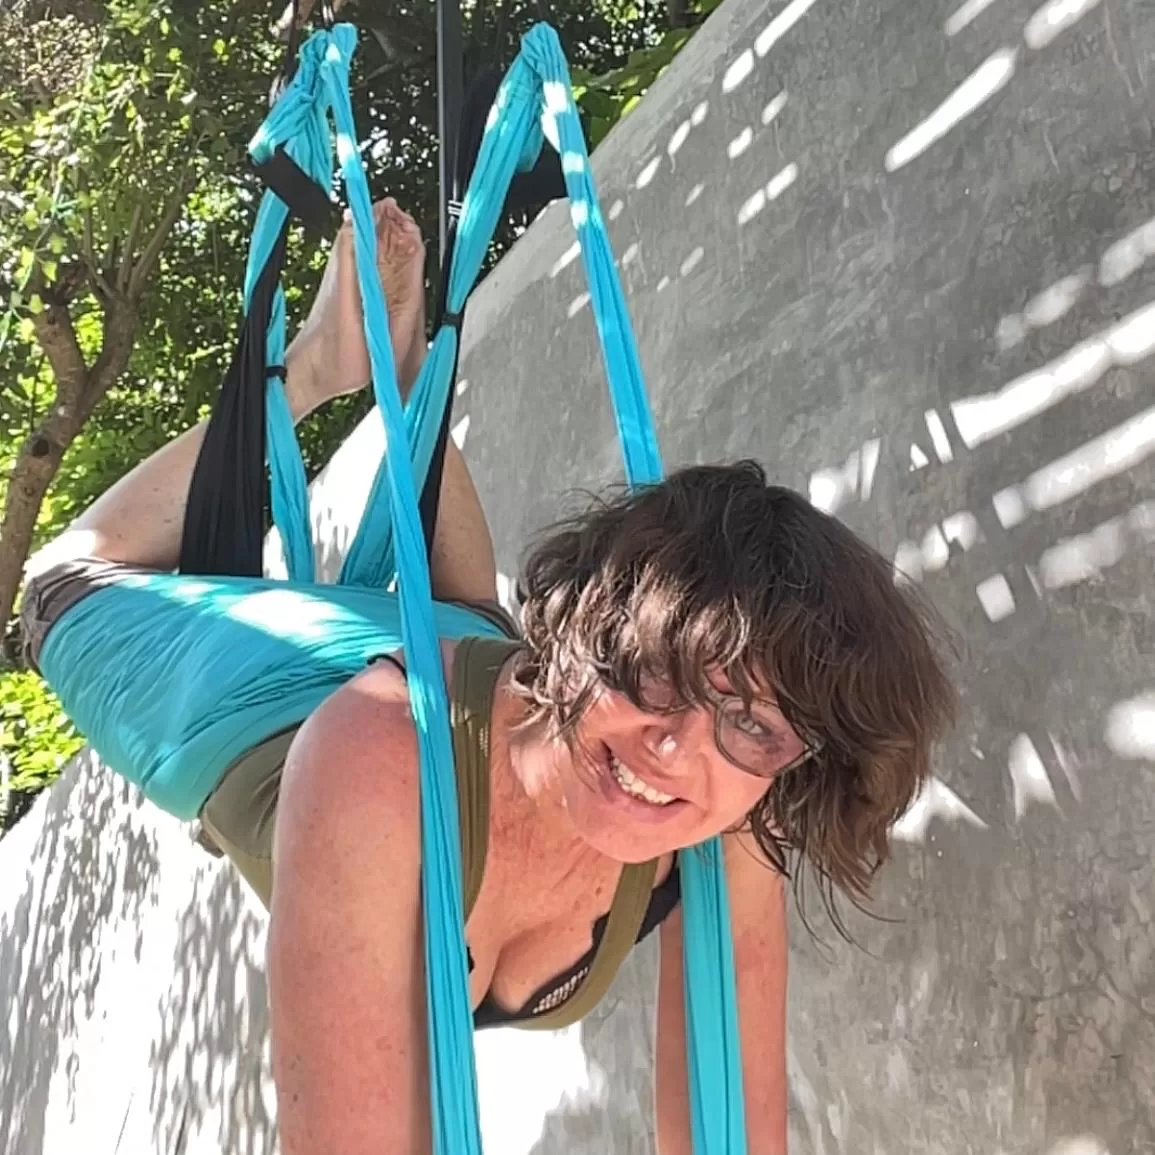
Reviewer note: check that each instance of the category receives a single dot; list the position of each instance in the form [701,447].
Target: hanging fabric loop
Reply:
[534,103]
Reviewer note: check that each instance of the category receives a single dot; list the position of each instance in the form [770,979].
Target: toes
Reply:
[409,228]
[397,230]
[398,235]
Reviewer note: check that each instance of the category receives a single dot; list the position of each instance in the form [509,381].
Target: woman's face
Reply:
[639,784]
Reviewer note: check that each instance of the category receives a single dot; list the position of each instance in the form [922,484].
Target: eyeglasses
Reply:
[751,743]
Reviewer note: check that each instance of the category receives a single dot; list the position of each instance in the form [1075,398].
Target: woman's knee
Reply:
[53,589]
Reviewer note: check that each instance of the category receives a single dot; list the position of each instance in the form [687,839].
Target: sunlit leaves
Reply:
[35,735]
[605,99]
[110,111]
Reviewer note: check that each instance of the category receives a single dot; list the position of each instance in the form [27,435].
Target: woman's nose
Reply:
[672,736]
[663,744]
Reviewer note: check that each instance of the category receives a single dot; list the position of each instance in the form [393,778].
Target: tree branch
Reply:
[103,288]
[36,465]
[40,455]
[142,269]
[78,390]
[56,335]
[124,273]
[86,238]
[120,321]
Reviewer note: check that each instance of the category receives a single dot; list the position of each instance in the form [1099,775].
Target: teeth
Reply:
[634,786]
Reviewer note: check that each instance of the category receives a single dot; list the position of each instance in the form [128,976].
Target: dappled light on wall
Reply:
[1108,455]
[989,78]
[983,417]
[1054,18]
[1030,783]
[1043,309]
[1130,728]
[772,190]
[1128,254]
[965,14]
[935,802]
[1087,555]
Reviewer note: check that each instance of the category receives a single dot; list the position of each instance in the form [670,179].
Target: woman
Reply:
[709,656]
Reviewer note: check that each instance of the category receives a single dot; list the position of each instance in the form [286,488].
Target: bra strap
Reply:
[631,901]
[477,664]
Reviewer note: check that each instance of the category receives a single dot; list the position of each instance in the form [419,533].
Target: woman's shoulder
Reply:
[358,751]
[355,759]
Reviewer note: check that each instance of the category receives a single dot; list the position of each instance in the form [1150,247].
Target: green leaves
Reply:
[35,735]
[605,99]
[108,114]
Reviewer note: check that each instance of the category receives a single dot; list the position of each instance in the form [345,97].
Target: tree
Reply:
[119,124]
[126,211]
[123,219]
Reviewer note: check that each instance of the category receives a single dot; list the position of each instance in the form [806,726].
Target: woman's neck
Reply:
[527,800]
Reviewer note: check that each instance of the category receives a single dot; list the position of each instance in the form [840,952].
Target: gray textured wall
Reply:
[899,252]
[946,341]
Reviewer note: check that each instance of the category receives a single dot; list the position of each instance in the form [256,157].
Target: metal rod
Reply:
[450,86]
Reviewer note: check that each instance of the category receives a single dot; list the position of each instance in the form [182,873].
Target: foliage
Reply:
[35,737]
[126,209]
[608,97]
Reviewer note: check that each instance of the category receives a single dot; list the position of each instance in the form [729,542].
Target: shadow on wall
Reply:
[53,940]
[137,1069]
[904,256]
[615,1113]
[210,1060]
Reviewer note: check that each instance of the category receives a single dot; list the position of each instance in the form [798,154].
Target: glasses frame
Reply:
[720,702]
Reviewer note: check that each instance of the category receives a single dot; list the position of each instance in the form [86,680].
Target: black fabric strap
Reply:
[431,493]
[224,523]
[307,201]
[289,63]
[528,192]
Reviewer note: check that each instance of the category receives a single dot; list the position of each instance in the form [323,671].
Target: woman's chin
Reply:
[624,849]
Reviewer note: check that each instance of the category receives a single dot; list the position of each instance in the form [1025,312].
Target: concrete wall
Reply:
[900,252]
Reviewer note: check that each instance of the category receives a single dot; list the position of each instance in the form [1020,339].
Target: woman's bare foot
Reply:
[401,265]
[330,355]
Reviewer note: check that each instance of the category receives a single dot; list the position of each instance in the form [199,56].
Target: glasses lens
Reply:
[752,742]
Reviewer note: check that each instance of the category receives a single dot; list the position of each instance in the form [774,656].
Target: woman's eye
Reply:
[750,726]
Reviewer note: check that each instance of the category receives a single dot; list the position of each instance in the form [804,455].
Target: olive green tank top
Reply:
[477,666]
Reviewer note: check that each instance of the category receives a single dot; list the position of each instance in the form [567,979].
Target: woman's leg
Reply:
[140,519]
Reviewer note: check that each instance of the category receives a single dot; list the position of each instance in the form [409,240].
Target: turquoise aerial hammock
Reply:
[230,660]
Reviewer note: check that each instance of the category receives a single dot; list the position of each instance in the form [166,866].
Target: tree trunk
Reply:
[79,387]
[78,390]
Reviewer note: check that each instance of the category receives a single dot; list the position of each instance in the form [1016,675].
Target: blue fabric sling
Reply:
[230,661]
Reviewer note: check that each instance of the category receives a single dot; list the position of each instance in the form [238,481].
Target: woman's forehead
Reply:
[734,679]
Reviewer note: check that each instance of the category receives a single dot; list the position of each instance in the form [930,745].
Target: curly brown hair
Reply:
[715,569]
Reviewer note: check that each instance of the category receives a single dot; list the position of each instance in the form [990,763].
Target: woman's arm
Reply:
[758,918]
[346,978]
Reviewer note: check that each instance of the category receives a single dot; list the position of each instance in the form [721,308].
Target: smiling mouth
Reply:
[631,784]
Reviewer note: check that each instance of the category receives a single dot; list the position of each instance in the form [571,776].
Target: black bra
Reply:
[552,994]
